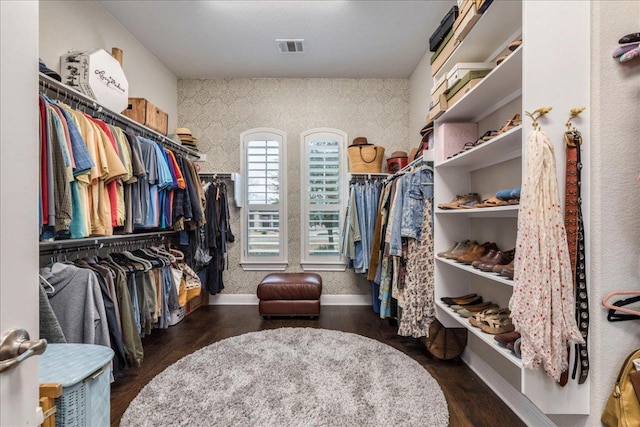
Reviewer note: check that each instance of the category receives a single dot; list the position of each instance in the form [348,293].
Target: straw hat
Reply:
[186,137]
[398,154]
[360,140]
[183,131]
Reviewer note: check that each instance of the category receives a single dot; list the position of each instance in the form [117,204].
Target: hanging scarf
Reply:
[543,304]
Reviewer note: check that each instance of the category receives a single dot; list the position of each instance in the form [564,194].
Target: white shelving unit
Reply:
[510,211]
[487,38]
[534,75]
[469,269]
[501,86]
[487,338]
[499,149]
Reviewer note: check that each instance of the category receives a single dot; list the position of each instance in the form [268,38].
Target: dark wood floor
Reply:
[471,402]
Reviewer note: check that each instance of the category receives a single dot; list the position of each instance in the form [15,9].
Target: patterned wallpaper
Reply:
[218,111]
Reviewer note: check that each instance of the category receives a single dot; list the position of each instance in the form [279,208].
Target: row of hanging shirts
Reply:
[392,228]
[96,178]
[115,300]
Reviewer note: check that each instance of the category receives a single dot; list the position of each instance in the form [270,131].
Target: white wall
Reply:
[83,25]
[419,97]
[218,111]
[615,195]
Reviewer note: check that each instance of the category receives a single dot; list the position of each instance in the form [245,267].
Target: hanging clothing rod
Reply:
[411,166]
[216,175]
[72,245]
[358,176]
[58,91]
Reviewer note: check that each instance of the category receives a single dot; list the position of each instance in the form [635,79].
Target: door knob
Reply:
[16,347]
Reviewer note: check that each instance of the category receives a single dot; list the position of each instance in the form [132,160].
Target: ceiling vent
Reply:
[290,45]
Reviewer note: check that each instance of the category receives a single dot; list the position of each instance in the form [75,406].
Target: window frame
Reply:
[321,262]
[261,262]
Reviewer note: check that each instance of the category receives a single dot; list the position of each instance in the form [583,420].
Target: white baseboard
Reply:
[519,404]
[345,300]
[233,299]
[252,299]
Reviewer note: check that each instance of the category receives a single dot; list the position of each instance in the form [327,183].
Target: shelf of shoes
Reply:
[501,148]
[491,276]
[510,211]
[487,338]
[501,86]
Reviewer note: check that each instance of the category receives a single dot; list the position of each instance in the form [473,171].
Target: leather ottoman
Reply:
[290,294]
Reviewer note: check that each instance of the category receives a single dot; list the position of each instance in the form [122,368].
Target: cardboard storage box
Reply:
[463,91]
[443,53]
[465,6]
[468,82]
[441,89]
[460,69]
[465,22]
[145,113]
[453,136]
[437,83]
[437,109]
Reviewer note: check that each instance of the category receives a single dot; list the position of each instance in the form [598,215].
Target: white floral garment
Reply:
[542,305]
[419,306]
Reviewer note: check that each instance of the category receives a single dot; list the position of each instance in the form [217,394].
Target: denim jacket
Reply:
[418,191]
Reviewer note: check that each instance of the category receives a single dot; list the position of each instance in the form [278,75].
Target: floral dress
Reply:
[418,301]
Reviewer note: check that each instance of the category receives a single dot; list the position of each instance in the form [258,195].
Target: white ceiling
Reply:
[342,39]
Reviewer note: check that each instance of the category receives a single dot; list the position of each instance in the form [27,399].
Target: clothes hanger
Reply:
[179,255]
[146,263]
[158,251]
[613,316]
[607,304]
[122,261]
[153,257]
[48,287]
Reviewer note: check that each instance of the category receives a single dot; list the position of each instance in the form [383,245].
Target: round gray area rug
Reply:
[291,377]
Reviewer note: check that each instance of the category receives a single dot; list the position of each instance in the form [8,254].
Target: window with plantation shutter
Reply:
[323,187]
[264,221]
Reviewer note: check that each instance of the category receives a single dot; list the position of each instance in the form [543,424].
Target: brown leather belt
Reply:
[575,239]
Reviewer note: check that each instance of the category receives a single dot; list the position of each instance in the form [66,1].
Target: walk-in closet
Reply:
[243,213]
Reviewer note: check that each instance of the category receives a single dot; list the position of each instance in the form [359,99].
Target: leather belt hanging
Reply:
[575,240]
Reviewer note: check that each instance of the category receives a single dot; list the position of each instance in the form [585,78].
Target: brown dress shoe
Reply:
[508,270]
[474,253]
[497,268]
[455,247]
[507,337]
[451,248]
[461,249]
[498,258]
[486,258]
[477,252]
